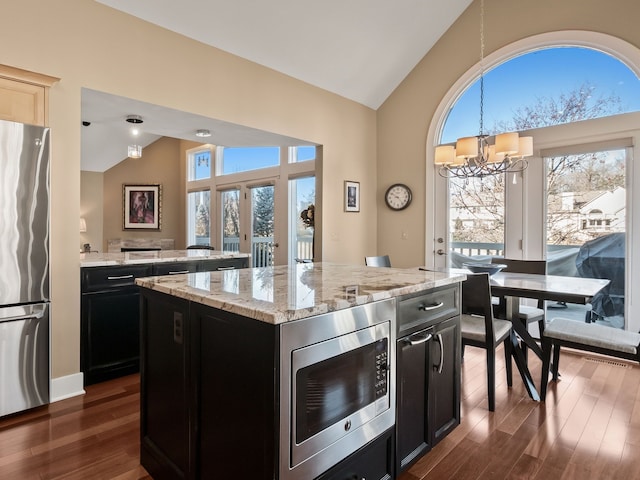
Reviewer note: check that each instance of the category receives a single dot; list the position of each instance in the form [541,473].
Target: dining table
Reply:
[514,286]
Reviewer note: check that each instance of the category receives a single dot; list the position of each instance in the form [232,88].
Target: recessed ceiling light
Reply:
[203,133]
[134,119]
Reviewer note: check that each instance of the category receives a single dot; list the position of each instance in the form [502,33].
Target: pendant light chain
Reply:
[481,68]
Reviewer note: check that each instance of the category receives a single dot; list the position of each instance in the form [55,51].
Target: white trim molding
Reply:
[67,387]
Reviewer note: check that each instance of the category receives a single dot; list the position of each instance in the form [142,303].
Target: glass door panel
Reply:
[198,218]
[302,219]
[586,229]
[476,219]
[262,226]
[230,203]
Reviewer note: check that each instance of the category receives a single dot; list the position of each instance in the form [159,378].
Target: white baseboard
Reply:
[67,387]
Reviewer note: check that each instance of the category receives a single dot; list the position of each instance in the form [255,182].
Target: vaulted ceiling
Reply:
[359,49]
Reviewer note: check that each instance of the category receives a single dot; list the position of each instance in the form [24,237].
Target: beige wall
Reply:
[160,164]
[86,44]
[404,119]
[91,202]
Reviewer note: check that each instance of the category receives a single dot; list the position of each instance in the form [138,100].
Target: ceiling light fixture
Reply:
[203,133]
[134,119]
[134,151]
[474,156]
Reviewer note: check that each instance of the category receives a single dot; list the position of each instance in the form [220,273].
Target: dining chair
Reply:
[378,261]
[528,314]
[480,329]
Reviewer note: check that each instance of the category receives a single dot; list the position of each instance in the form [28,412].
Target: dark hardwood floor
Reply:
[589,428]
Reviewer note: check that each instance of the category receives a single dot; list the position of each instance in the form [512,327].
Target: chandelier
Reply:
[475,156]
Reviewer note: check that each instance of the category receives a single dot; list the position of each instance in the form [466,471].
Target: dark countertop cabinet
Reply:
[428,354]
[110,313]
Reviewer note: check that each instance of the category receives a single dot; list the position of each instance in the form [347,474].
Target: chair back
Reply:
[476,300]
[379,261]
[522,266]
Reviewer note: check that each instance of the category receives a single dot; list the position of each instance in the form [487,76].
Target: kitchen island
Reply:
[110,301]
[215,373]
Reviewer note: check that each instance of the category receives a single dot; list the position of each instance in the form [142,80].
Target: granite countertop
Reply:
[153,256]
[284,293]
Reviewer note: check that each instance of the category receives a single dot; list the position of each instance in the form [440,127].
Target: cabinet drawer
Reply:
[174,268]
[373,461]
[105,278]
[426,308]
[222,264]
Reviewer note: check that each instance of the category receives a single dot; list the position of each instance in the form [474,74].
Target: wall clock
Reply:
[398,196]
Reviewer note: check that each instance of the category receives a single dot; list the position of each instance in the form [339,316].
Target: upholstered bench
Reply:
[584,336]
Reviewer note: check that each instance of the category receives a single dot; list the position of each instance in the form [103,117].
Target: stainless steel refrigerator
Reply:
[24,267]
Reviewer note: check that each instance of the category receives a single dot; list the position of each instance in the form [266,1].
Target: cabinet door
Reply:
[165,405]
[110,334]
[413,438]
[22,102]
[374,461]
[444,391]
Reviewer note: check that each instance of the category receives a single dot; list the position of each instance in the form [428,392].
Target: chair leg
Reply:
[491,378]
[507,361]
[556,361]
[546,359]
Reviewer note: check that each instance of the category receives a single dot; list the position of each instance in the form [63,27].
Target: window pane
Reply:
[198,226]
[230,220]
[476,218]
[302,208]
[262,223]
[303,154]
[586,210]
[243,159]
[200,165]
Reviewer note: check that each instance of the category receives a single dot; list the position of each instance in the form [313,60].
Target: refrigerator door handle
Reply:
[10,314]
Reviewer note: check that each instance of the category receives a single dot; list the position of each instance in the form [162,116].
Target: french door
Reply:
[248,219]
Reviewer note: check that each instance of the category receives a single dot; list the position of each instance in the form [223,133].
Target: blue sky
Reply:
[543,73]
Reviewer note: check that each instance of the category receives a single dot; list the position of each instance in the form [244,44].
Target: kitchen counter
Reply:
[153,256]
[284,293]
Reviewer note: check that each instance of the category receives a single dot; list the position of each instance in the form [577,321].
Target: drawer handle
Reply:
[178,272]
[227,268]
[120,277]
[426,308]
[418,338]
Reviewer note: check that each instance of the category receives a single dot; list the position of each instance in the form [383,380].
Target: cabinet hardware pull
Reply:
[120,277]
[227,268]
[178,272]
[441,343]
[426,308]
[418,338]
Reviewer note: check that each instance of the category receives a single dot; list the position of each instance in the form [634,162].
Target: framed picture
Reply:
[351,196]
[142,207]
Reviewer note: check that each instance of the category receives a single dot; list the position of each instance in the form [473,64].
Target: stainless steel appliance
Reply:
[24,266]
[337,386]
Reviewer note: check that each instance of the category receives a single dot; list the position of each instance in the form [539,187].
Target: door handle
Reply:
[418,338]
[426,308]
[441,252]
[441,343]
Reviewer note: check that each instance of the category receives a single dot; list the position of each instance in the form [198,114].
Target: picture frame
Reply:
[141,207]
[351,196]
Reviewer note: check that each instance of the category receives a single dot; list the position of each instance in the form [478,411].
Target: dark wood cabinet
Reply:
[372,462]
[444,379]
[165,433]
[428,372]
[110,328]
[110,313]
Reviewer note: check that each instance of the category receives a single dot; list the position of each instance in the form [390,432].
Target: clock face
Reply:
[398,196]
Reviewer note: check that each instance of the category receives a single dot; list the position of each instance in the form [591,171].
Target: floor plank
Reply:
[588,428]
